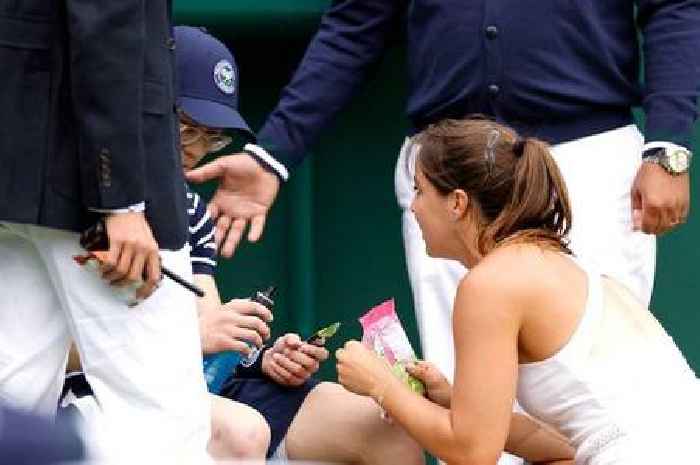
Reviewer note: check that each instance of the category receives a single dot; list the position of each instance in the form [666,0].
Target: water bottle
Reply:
[263,298]
[219,367]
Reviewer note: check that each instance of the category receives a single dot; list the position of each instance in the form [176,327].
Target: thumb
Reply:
[292,340]
[417,369]
[206,172]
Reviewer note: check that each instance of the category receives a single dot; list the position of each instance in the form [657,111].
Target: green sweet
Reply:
[399,370]
[328,331]
[320,337]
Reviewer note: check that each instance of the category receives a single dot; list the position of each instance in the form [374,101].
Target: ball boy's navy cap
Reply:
[207,80]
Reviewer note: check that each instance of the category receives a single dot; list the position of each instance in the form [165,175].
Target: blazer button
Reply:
[494,90]
[170,43]
[491,32]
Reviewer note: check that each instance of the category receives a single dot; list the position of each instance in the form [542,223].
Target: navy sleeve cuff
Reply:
[267,161]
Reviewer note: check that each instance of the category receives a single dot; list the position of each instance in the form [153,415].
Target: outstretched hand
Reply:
[245,194]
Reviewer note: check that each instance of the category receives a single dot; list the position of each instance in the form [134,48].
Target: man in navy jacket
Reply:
[564,71]
[88,129]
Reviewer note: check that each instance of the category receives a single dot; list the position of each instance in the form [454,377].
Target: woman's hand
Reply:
[362,371]
[437,388]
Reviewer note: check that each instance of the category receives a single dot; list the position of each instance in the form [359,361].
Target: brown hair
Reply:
[517,186]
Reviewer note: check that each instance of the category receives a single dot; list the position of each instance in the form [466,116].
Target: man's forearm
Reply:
[352,36]
[671,30]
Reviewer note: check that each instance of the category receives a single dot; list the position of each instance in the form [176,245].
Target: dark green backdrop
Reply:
[333,241]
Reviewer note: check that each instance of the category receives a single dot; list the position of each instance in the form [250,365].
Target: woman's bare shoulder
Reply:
[511,266]
[497,292]
[517,272]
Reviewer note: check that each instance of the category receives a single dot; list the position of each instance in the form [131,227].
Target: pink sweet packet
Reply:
[382,332]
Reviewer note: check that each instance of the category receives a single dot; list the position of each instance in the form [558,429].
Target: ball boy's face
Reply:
[192,153]
[196,141]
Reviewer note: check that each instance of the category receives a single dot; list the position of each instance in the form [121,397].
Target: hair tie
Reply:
[490,152]
[519,147]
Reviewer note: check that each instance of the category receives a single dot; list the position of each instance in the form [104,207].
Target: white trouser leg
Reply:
[33,331]
[599,171]
[433,281]
[143,363]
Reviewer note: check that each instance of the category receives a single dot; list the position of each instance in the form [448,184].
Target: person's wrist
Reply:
[674,159]
[267,161]
[381,388]
[266,360]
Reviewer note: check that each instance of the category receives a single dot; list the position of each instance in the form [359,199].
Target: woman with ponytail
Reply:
[531,321]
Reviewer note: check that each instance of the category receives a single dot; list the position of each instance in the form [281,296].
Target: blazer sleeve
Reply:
[351,38]
[106,59]
[671,30]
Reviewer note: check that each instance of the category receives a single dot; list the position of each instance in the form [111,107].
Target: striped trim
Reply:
[206,238]
[199,225]
[261,153]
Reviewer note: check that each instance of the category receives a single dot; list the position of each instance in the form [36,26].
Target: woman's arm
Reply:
[537,442]
[527,437]
[431,425]
[480,423]
[475,429]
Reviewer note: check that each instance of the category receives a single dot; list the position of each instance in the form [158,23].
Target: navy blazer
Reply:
[87,114]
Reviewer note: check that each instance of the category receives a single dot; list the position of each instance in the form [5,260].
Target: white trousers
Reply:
[598,171]
[144,363]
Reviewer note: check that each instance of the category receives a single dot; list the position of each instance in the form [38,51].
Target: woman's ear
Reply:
[458,203]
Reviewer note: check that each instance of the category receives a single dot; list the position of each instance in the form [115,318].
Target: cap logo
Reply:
[225,77]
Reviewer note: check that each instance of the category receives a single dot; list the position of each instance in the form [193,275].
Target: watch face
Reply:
[678,161]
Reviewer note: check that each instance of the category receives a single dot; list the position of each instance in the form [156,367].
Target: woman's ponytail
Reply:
[516,183]
[539,205]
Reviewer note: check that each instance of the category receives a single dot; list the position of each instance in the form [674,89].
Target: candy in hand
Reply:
[320,337]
